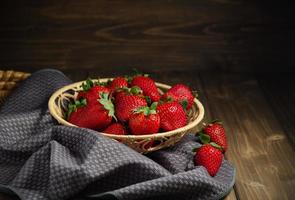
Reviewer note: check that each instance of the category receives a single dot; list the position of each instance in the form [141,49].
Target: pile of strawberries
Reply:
[133,105]
[214,143]
[130,105]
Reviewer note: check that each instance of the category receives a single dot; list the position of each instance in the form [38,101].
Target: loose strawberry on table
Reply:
[172,116]
[145,120]
[180,93]
[217,134]
[148,87]
[208,157]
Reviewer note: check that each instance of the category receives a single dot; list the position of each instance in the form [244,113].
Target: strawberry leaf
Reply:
[147,110]
[107,104]
[87,85]
[128,78]
[205,139]
[73,106]
[154,106]
[148,99]
[184,103]
[169,99]
[135,90]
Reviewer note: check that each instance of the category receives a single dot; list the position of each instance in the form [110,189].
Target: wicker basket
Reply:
[8,81]
[141,143]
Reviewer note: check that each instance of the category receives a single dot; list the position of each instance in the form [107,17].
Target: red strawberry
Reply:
[148,87]
[118,82]
[95,115]
[91,90]
[209,157]
[217,134]
[145,120]
[93,94]
[126,102]
[172,116]
[116,128]
[180,93]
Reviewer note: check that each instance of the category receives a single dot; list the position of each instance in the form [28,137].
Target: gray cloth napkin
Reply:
[40,159]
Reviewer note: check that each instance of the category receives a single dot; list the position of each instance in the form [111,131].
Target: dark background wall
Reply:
[153,35]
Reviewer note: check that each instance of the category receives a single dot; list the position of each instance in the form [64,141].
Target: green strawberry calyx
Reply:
[205,139]
[184,103]
[216,146]
[135,72]
[213,144]
[74,105]
[135,90]
[107,104]
[216,121]
[89,83]
[147,110]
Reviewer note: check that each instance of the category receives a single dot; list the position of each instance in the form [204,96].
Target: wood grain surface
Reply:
[258,145]
[279,90]
[232,35]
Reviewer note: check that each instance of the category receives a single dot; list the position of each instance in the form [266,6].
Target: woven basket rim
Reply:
[189,126]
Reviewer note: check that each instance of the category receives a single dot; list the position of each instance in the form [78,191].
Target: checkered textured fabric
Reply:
[40,159]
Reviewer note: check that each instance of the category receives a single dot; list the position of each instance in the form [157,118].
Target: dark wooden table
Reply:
[259,116]
[228,50]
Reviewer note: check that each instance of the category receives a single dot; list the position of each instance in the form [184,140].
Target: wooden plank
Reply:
[279,90]
[258,145]
[162,34]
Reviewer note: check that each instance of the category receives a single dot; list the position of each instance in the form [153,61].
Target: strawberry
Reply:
[148,87]
[93,94]
[180,93]
[172,116]
[127,101]
[145,120]
[208,157]
[116,128]
[118,82]
[91,90]
[94,115]
[217,134]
